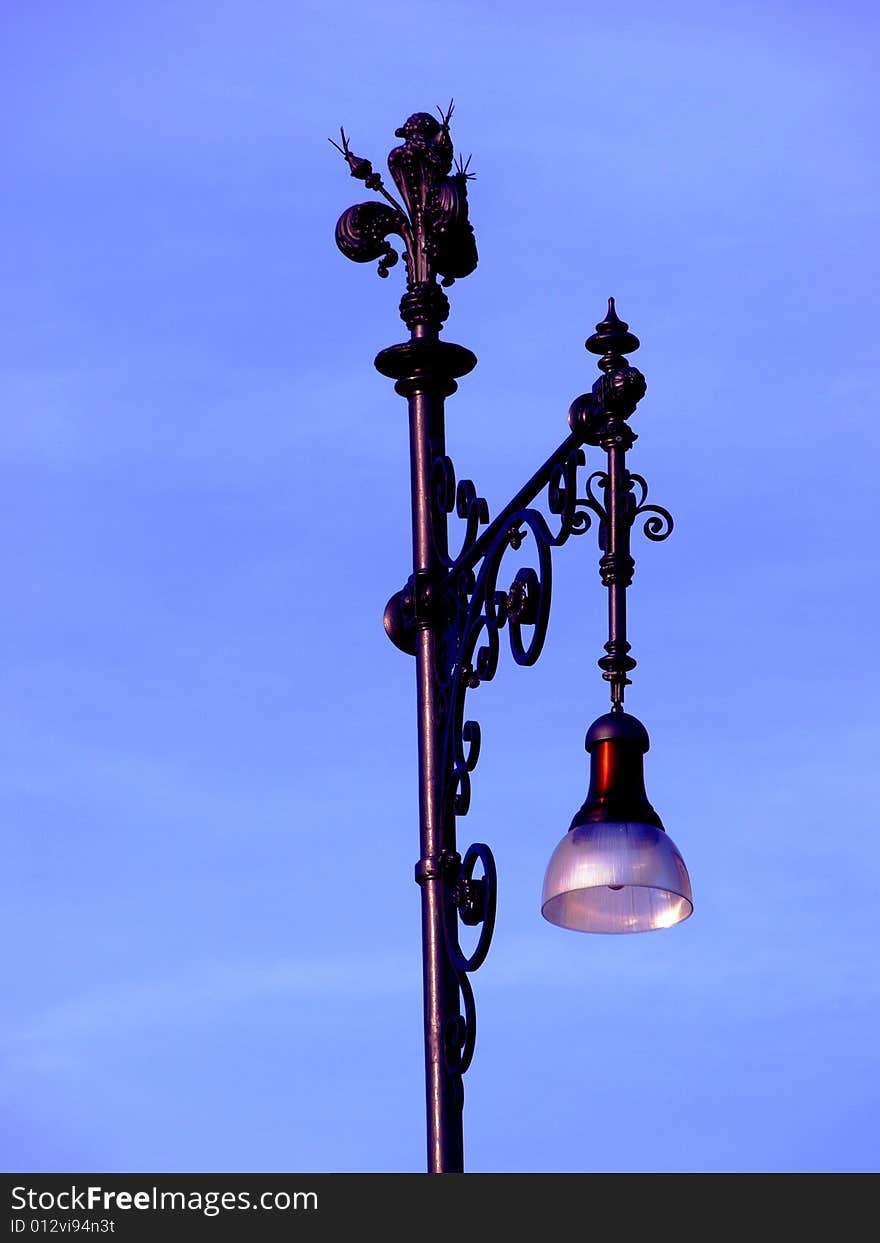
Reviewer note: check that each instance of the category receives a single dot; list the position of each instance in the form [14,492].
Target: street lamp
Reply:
[615,870]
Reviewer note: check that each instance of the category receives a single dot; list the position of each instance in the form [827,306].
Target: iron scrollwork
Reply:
[472,901]
[659,525]
[479,613]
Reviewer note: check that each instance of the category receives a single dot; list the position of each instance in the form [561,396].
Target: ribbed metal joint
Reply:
[432,866]
[616,567]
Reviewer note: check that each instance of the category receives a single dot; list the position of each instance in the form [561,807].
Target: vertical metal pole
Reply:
[618,566]
[425,369]
[436,835]
[614,399]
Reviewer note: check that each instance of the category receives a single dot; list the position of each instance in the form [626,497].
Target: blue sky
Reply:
[207,754]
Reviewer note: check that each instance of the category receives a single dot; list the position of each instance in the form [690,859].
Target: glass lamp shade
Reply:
[616,870]
[616,877]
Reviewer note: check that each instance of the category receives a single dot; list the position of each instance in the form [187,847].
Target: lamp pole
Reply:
[451,612]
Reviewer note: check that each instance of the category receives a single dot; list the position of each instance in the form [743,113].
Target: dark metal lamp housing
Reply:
[616,870]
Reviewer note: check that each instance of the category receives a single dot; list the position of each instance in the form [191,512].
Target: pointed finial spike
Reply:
[612,317]
[612,339]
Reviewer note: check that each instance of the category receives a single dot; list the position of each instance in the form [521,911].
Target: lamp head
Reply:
[616,869]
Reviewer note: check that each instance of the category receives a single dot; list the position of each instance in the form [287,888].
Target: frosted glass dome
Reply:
[616,877]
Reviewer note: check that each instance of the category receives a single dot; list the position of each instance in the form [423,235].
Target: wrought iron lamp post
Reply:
[615,870]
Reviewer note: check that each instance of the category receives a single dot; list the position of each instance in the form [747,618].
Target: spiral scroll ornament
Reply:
[463,500]
[472,901]
[659,526]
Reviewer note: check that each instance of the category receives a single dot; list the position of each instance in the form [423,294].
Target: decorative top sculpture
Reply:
[432,221]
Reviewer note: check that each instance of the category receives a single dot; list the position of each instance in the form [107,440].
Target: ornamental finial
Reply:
[612,340]
[432,220]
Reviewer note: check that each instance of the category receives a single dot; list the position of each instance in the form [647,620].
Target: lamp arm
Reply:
[469,506]
[470,610]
